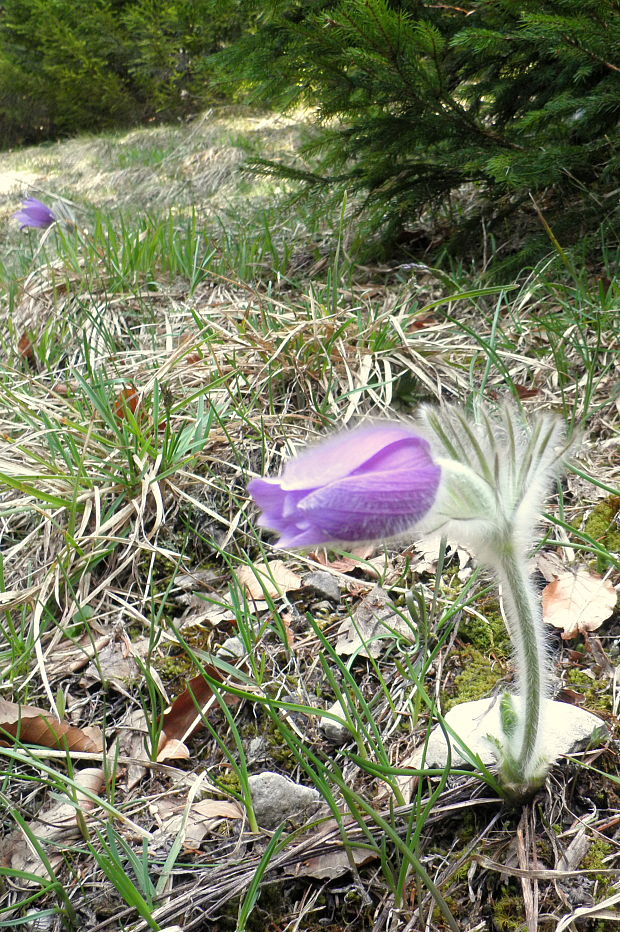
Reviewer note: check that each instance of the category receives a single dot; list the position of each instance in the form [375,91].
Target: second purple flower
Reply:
[35,213]
[363,484]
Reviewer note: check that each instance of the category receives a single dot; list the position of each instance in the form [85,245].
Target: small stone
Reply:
[337,732]
[232,648]
[258,749]
[276,799]
[567,729]
[323,584]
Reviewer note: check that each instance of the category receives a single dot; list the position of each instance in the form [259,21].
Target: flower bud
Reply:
[365,484]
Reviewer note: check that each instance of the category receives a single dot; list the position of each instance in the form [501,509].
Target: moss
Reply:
[478,677]
[544,850]
[229,781]
[602,526]
[281,752]
[597,692]
[594,860]
[174,669]
[271,904]
[509,913]
[487,634]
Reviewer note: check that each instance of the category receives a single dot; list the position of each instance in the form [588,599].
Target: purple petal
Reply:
[268,495]
[340,455]
[35,213]
[366,507]
[366,484]
[299,537]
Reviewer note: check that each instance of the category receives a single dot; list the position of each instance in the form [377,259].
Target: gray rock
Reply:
[323,584]
[277,799]
[568,729]
[337,732]
[232,648]
[258,749]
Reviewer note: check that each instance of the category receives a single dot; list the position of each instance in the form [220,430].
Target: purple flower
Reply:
[363,484]
[35,213]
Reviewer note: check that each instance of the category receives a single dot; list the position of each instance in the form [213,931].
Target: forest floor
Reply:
[185,327]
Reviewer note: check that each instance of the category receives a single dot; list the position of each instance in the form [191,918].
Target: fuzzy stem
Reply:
[522,763]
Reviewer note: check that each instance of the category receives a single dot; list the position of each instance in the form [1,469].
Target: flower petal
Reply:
[340,455]
[365,484]
[378,504]
[35,213]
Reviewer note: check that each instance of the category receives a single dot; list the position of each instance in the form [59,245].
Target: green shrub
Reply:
[168,44]
[61,68]
[73,65]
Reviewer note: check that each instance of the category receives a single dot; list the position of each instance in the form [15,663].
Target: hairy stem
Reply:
[526,629]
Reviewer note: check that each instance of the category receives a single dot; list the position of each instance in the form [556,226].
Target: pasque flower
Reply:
[479,477]
[362,484]
[35,213]
[500,470]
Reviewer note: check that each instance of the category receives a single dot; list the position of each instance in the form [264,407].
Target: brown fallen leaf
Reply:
[332,862]
[525,391]
[36,726]
[374,619]
[200,820]
[186,713]
[64,389]
[571,696]
[71,657]
[345,564]
[55,826]
[578,602]
[272,579]
[132,743]
[549,565]
[286,618]
[127,400]
[172,749]
[201,611]
[419,323]
[115,665]
[217,809]
[26,349]
[425,554]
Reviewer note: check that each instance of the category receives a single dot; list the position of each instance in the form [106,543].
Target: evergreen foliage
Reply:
[416,100]
[71,65]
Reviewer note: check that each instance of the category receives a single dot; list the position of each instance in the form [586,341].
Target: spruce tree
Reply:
[417,100]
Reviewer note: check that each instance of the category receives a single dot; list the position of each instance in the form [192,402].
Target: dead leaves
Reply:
[358,559]
[58,825]
[186,714]
[578,602]
[194,821]
[328,855]
[126,401]
[268,580]
[374,620]
[31,725]
[25,348]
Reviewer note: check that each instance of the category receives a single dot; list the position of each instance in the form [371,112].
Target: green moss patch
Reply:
[597,692]
[487,633]
[477,679]
[602,526]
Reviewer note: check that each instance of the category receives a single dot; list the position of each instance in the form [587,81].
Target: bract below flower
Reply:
[363,484]
[35,213]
